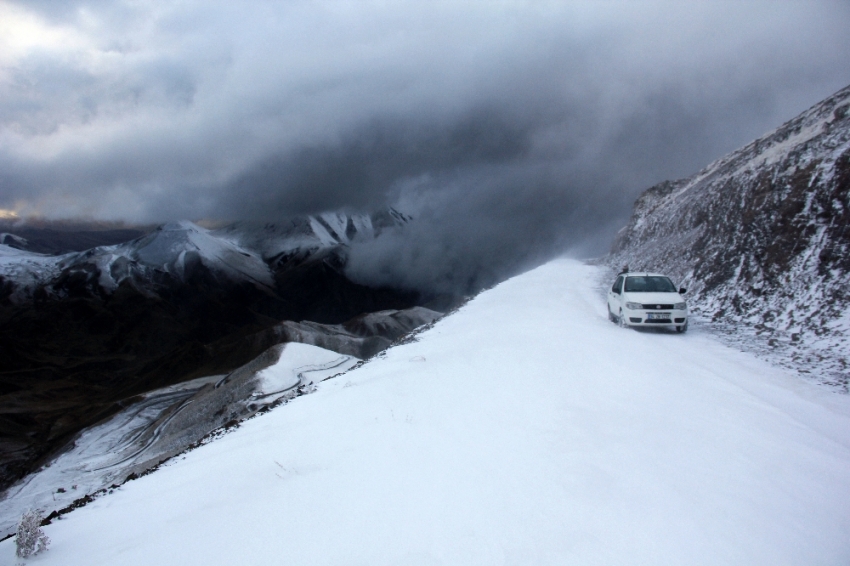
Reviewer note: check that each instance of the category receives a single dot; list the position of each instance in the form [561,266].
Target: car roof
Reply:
[642,274]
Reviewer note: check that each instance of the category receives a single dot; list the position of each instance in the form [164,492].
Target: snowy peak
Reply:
[312,233]
[173,247]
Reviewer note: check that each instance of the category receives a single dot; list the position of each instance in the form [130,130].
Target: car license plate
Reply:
[658,315]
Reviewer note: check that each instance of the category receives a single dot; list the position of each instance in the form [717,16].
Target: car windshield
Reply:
[649,284]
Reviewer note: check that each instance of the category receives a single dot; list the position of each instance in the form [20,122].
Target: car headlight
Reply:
[680,306]
[634,306]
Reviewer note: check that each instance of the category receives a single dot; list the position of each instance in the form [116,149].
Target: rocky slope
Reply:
[81,333]
[760,238]
[161,423]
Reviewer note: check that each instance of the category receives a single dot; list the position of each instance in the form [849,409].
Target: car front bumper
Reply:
[655,319]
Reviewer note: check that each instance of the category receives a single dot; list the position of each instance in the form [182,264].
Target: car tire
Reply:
[682,328]
[621,320]
[611,316]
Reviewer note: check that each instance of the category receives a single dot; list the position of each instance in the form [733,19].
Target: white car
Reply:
[647,300]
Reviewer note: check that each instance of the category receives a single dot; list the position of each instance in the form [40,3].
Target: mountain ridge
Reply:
[83,331]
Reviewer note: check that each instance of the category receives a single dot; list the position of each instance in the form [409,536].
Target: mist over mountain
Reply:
[511,132]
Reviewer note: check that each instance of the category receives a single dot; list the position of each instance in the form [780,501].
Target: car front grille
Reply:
[657,307]
[658,321]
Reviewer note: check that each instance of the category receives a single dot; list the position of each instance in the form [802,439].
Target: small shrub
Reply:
[31,539]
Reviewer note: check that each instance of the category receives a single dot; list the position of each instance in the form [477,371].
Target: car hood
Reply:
[649,298]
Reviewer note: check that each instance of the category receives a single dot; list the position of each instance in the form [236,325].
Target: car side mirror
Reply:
[682,290]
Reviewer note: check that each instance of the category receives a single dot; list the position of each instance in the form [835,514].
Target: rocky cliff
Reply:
[760,238]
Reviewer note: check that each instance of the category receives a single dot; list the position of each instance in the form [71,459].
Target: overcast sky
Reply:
[518,126]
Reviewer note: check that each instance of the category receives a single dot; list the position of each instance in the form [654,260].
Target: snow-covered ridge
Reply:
[793,136]
[242,251]
[760,238]
[313,232]
[25,270]
[168,250]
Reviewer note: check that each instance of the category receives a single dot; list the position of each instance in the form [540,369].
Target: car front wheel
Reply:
[621,320]
[682,328]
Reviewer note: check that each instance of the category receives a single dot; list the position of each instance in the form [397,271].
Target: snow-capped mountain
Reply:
[761,239]
[170,252]
[239,252]
[83,332]
[275,240]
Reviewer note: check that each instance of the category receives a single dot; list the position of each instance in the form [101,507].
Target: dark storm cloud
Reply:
[476,228]
[365,168]
[511,131]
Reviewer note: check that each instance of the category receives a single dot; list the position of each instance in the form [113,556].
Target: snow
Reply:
[103,454]
[175,240]
[301,364]
[93,463]
[11,256]
[28,268]
[363,225]
[303,233]
[777,151]
[524,429]
[338,223]
[324,237]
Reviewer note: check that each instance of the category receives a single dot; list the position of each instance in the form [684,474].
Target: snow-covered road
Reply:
[524,429]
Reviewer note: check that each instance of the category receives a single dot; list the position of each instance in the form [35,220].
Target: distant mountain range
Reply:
[56,237]
[83,333]
[761,239]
